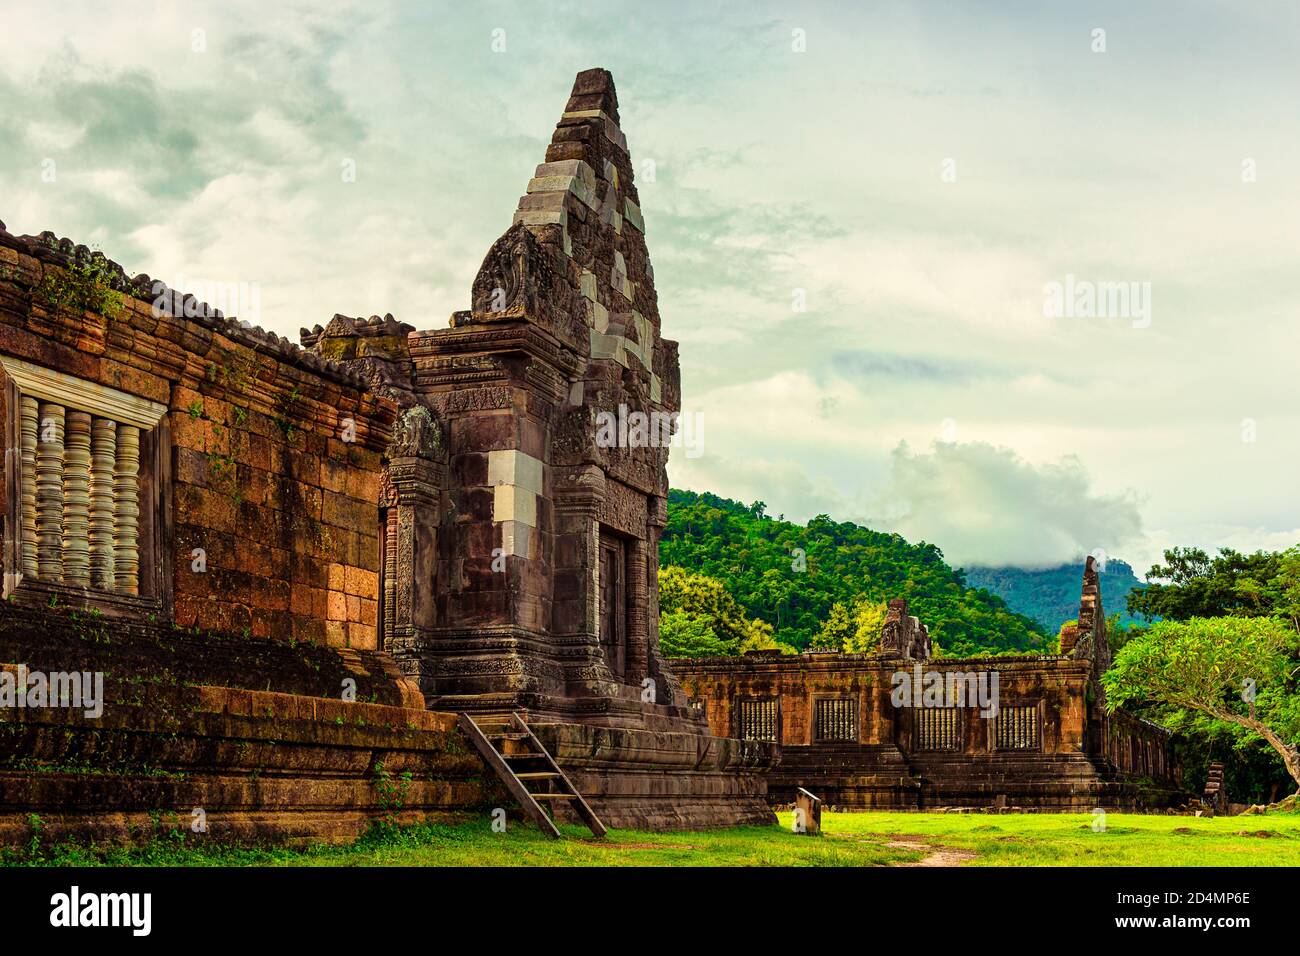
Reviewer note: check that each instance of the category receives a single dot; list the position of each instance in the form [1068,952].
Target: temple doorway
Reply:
[613,603]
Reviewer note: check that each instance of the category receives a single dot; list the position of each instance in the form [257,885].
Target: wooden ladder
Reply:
[519,759]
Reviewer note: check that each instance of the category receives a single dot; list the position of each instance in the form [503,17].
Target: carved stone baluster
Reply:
[49,493]
[76,499]
[30,417]
[103,464]
[126,510]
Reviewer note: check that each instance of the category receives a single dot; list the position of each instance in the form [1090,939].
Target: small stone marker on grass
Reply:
[807,813]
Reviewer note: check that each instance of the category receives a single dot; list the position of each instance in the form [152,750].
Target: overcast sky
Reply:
[855,216]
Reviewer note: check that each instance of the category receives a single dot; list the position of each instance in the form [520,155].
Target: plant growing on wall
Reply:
[285,406]
[81,287]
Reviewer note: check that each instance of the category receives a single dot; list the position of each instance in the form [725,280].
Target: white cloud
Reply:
[984,505]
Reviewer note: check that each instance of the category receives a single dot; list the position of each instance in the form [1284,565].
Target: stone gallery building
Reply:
[250,585]
[898,729]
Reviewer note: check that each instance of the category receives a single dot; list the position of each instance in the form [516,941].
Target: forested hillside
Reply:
[1051,595]
[791,576]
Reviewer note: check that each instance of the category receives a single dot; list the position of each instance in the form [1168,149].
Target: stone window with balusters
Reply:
[87,508]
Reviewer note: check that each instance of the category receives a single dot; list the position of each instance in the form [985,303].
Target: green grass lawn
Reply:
[1068,839]
[850,839]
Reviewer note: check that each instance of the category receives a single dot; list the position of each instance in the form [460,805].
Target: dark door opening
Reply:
[613,604]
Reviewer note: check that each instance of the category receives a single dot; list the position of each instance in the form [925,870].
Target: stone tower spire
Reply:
[581,206]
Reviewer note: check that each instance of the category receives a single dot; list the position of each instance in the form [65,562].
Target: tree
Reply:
[682,634]
[703,597]
[698,618]
[1192,584]
[760,639]
[1117,634]
[836,630]
[1239,670]
[868,622]
[1061,633]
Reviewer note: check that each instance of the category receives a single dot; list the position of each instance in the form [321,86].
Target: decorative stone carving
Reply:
[501,288]
[903,634]
[417,434]
[404,580]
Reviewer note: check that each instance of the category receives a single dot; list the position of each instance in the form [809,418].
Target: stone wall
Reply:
[1054,685]
[252,766]
[898,729]
[191,512]
[887,760]
[264,456]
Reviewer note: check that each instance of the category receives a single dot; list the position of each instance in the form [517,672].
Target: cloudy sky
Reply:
[856,214]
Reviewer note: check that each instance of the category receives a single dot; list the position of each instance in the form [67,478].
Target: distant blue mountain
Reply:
[1051,595]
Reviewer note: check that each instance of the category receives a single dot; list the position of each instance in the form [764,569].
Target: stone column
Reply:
[638,635]
[49,492]
[416,474]
[670,689]
[578,491]
[126,510]
[413,537]
[76,499]
[103,464]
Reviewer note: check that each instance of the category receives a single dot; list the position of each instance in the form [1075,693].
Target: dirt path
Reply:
[939,855]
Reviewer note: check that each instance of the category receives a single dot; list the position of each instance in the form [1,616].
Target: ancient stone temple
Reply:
[900,729]
[274,586]
[294,565]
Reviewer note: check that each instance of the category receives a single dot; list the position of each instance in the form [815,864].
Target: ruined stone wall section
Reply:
[1047,744]
[904,635]
[1086,637]
[1056,687]
[272,458]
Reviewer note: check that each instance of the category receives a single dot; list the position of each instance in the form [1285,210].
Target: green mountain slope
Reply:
[1051,595]
[790,575]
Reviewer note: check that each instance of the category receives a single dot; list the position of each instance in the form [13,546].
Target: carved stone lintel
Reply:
[415,479]
[579,489]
